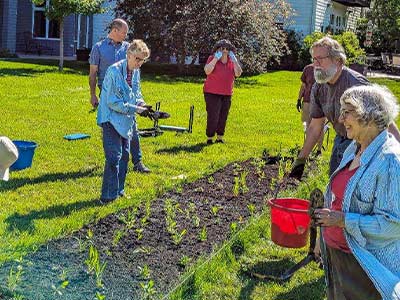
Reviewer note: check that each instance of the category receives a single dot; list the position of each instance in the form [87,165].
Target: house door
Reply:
[81,31]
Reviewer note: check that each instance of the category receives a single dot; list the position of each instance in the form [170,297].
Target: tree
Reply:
[192,26]
[385,17]
[59,9]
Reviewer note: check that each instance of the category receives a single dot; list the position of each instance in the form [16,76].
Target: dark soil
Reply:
[209,205]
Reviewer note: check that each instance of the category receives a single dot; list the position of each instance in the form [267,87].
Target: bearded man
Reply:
[332,79]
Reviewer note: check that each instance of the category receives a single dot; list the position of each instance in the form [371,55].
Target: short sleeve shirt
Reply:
[308,79]
[221,79]
[325,97]
[104,54]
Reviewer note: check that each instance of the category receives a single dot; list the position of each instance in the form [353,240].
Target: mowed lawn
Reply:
[59,194]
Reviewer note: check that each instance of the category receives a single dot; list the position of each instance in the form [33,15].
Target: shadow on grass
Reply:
[52,177]
[25,223]
[176,149]
[312,290]
[70,67]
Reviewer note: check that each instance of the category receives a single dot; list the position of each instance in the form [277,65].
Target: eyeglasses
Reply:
[141,60]
[319,59]
[345,112]
[225,48]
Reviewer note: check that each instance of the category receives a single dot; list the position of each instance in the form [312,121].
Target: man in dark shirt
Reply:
[303,101]
[332,79]
[104,54]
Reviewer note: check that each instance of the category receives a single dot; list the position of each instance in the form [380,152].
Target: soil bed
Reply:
[203,212]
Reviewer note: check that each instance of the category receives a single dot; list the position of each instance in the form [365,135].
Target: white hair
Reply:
[372,103]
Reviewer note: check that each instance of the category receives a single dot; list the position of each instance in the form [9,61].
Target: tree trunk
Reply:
[61,62]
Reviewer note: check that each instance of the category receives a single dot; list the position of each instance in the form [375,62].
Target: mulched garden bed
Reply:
[156,242]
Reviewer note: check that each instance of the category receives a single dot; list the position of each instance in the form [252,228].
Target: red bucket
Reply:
[290,222]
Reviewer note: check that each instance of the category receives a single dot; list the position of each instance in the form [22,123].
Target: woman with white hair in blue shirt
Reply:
[361,219]
[120,98]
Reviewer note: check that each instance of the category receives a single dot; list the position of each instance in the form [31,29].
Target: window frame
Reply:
[47,25]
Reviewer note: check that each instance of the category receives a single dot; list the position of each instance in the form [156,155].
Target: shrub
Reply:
[349,41]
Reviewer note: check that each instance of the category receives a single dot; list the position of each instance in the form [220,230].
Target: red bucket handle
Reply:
[272,203]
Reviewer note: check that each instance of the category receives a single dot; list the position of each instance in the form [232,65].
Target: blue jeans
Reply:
[340,144]
[116,151]
[136,152]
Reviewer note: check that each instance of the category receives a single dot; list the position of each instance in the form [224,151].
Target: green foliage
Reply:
[347,39]
[189,27]
[384,16]
[59,9]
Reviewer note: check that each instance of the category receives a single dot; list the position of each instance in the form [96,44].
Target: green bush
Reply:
[348,39]
[5,53]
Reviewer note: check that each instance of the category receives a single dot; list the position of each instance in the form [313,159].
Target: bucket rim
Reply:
[25,144]
[273,204]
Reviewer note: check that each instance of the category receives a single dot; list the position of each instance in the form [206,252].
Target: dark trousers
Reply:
[217,107]
[347,279]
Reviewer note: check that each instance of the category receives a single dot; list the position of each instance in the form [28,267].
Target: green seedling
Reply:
[144,272]
[184,261]
[148,290]
[215,210]
[178,237]
[129,219]
[196,220]
[233,228]
[236,187]
[203,234]
[14,278]
[94,265]
[120,233]
[100,296]
[210,180]
[252,208]
[139,233]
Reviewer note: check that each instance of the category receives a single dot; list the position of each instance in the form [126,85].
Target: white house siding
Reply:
[101,22]
[303,18]
[321,11]
[353,16]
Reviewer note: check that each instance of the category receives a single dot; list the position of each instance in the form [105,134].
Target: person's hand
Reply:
[145,112]
[94,101]
[298,168]
[218,55]
[232,56]
[327,217]
[298,105]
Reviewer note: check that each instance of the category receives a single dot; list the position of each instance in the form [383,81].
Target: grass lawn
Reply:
[59,194]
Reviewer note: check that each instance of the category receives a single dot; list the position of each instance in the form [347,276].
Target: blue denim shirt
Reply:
[104,54]
[372,206]
[118,101]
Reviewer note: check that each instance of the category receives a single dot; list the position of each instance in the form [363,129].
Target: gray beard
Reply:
[322,76]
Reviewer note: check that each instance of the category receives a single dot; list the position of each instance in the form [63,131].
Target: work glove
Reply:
[232,56]
[218,55]
[298,105]
[298,168]
[143,111]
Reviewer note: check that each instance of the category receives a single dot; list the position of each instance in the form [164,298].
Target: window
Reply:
[42,27]
[332,20]
[338,21]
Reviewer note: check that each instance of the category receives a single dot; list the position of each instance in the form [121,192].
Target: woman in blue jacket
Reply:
[361,219]
[120,99]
